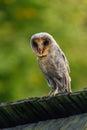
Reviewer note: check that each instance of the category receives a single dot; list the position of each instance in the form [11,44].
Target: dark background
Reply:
[20,76]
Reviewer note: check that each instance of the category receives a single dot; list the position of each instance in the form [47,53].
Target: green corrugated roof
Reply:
[41,109]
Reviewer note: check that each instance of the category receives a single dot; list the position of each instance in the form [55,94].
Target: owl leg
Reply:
[54,88]
[53,92]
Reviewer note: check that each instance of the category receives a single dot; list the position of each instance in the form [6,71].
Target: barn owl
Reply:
[52,62]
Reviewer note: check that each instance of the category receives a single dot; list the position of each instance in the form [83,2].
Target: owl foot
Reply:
[53,92]
[59,93]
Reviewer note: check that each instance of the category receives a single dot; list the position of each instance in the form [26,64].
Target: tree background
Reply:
[20,76]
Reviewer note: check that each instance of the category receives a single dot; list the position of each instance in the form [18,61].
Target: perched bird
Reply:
[52,62]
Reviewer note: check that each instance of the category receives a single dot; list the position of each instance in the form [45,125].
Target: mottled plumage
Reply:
[52,62]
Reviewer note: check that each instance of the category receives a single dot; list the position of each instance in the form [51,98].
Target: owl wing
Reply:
[63,62]
[63,71]
[66,62]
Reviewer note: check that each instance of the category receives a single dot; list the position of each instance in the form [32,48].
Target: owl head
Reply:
[41,43]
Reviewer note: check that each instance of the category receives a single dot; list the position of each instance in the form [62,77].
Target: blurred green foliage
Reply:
[20,76]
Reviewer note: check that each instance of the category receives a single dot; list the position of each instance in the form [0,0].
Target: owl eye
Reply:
[34,44]
[46,43]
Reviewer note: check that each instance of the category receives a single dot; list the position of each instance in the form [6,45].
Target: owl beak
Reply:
[40,50]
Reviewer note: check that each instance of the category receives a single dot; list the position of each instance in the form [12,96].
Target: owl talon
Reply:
[53,92]
[63,93]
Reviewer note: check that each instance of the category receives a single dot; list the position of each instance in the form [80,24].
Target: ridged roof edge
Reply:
[40,109]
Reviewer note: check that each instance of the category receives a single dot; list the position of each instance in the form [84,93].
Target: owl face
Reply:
[40,45]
